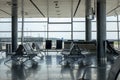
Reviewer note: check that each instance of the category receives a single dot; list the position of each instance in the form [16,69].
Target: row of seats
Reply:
[49,44]
[89,46]
[24,53]
[72,55]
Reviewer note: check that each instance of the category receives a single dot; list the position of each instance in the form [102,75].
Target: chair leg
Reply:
[7,60]
[25,61]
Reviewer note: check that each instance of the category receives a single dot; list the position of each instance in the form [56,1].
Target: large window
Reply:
[4,26]
[79,35]
[58,28]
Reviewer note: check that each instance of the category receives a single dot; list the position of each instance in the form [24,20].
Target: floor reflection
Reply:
[22,71]
[49,69]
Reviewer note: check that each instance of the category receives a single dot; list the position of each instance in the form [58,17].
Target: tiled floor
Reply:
[50,69]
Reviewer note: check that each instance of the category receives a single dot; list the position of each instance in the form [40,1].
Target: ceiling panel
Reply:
[56,8]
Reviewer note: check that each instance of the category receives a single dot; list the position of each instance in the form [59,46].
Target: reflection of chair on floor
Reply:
[58,59]
[18,72]
[22,72]
[48,59]
[69,71]
[73,54]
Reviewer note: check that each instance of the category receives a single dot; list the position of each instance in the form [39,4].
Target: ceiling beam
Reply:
[77,8]
[113,9]
[37,8]
[5,12]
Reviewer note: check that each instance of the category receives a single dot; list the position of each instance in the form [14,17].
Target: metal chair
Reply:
[18,55]
[48,44]
[73,54]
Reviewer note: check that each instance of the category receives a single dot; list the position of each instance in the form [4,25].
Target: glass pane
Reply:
[111,18]
[111,26]
[35,19]
[78,19]
[60,27]
[5,34]
[59,19]
[35,34]
[94,35]
[112,35]
[78,26]
[94,28]
[35,27]
[79,35]
[5,19]
[5,26]
[60,35]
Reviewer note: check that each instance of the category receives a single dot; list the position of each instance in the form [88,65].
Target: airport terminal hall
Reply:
[59,39]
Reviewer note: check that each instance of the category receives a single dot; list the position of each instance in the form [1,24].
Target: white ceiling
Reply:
[54,8]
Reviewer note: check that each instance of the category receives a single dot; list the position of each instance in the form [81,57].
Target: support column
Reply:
[22,30]
[71,19]
[118,29]
[88,20]
[14,24]
[101,32]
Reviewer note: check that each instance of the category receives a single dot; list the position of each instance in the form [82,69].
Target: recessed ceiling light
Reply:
[58,14]
[26,13]
[55,1]
[56,6]
[57,10]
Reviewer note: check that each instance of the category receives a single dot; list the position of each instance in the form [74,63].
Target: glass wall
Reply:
[58,28]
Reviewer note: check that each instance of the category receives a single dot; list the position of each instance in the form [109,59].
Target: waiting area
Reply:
[72,62]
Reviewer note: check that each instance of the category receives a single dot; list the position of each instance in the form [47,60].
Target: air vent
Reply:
[58,14]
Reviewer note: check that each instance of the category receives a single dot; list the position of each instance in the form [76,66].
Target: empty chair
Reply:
[38,48]
[67,44]
[73,54]
[58,44]
[48,44]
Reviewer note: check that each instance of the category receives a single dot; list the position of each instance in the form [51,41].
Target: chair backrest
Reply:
[37,46]
[89,46]
[58,44]
[48,44]
[27,48]
[110,48]
[75,50]
[67,44]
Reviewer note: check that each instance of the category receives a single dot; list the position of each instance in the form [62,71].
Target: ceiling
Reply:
[54,8]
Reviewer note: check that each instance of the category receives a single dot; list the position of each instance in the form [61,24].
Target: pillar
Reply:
[14,25]
[101,32]
[88,20]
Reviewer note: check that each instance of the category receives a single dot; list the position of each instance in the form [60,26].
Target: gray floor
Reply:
[50,69]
